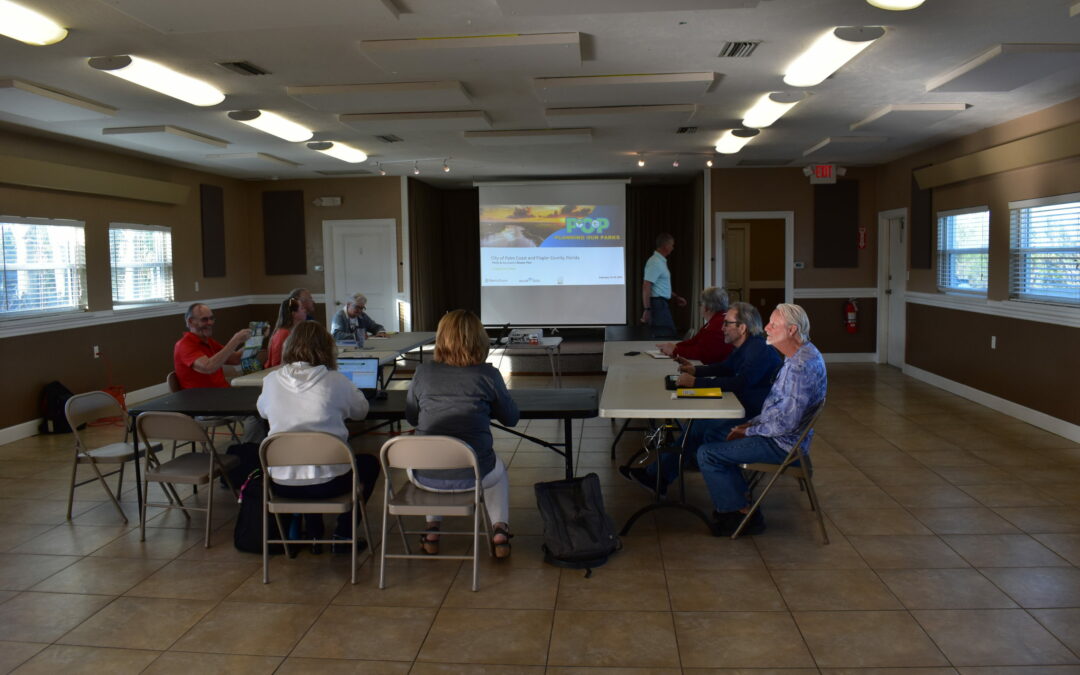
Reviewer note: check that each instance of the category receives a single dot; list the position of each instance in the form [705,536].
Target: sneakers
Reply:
[725,524]
[640,477]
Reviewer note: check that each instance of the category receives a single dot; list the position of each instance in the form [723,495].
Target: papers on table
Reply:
[657,354]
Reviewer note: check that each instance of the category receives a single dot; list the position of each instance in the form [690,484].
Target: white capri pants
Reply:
[496,486]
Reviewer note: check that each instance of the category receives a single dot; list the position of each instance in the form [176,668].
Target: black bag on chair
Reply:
[248,533]
[578,532]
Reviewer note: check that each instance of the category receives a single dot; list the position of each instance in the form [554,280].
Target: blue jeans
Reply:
[662,323]
[720,462]
[701,432]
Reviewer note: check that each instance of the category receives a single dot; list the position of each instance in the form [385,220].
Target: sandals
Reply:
[501,549]
[428,545]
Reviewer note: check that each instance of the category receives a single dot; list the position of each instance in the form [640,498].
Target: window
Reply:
[141,260]
[44,266]
[963,244]
[1044,249]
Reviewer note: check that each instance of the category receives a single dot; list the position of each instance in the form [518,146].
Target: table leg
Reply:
[138,474]
[568,440]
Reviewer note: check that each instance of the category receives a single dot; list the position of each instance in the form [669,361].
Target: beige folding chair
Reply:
[198,467]
[211,424]
[302,448]
[90,407]
[430,453]
[803,472]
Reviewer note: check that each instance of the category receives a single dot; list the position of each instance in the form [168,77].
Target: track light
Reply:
[345,153]
[641,160]
[415,169]
[733,140]
[828,53]
[153,75]
[770,107]
[446,166]
[382,171]
[896,5]
[273,124]
[675,163]
[708,163]
[26,25]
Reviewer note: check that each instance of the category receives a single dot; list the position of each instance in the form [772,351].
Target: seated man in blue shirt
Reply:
[748,373]
[797,393]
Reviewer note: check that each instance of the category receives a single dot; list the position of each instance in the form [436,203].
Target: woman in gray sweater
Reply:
[458,395]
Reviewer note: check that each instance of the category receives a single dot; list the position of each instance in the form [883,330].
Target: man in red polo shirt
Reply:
[197,357]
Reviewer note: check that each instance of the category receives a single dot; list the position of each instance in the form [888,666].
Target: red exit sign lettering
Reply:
[822,173]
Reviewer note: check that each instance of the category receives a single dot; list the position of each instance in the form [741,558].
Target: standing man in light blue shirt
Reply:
[796,394]
[656,292]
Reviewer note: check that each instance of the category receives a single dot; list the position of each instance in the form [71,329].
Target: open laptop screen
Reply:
[363,372]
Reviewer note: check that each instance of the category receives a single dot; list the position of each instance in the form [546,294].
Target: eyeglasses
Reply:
[732,323]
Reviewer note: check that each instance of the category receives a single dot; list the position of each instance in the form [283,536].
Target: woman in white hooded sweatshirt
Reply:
[308,394]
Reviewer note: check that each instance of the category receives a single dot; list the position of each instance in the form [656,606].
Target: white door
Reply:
[361,257]
[737,261]
[896,287]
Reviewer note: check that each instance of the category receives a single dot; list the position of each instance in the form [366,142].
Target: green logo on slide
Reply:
[587,225]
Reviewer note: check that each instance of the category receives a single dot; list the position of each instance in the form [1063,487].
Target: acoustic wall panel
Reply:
[212,212]
[836,224]
[284,246]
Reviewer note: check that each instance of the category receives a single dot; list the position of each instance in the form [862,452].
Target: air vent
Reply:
[390,138]
[686,130]
[243,68]
[738,50]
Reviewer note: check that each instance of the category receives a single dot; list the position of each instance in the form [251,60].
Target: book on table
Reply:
[699,392]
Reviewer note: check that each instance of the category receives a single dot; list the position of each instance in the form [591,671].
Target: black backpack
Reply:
[578,532]
[53,399]
[248,533]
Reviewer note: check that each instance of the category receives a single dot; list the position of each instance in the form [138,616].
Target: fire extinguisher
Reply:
[851,322]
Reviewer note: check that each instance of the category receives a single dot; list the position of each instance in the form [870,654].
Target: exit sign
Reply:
[822,173]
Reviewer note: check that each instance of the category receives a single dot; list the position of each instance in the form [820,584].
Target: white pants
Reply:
[496,486]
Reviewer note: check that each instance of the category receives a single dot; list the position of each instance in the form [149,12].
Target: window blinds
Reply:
[44,267]
[141,262]
[1044,250]
[963,248]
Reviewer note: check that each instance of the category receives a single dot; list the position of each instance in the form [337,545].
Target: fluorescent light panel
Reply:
[770,107]
[273,124]
[345,153]
[25,25]
[733,140]
[896,5]
[153,75]
[828,53]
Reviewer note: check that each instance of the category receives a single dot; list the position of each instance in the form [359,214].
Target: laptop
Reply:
[363,373]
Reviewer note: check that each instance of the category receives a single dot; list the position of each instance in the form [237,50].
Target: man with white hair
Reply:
[352,318]
[796,394]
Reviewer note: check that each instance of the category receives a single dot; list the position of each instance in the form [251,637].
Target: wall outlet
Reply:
[97,352]
[196,286]
[993,342]
[800,265]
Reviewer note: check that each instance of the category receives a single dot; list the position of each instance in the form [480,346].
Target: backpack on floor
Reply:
[248,533]
[248,454]
[53,399]
[578,532]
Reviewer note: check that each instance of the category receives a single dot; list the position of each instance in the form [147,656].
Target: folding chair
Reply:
[211,424]
[198,467]
[302,448]
[430,453]
[90,407]
[803,472]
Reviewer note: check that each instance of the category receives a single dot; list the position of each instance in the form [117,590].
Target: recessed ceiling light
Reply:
[273,124]
[153,75]
[25,25]
[345,153]
[828,53]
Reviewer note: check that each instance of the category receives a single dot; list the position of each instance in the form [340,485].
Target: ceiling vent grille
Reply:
[390,138]
[686,130]
[738,50]
[243,68]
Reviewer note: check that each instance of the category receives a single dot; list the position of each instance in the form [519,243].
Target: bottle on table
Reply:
[358,334]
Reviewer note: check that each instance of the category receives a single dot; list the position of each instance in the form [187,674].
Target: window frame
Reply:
[1015,251]
[80,268]
[121,305]
[942,255]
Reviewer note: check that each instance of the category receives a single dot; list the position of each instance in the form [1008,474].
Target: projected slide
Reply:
[550,245]
[553,253]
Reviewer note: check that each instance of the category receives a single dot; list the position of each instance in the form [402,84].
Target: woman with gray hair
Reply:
[351,318]
[707,345]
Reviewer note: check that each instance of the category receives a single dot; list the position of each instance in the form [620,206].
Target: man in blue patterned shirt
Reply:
[796,394]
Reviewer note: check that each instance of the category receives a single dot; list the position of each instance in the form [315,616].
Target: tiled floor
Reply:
[955,547]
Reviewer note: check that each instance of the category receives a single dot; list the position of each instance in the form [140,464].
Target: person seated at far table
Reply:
[309,394]
[458,394]
[352,318]
[708,344]
[796,395]
[748,374]
[291,313]
[307,302]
